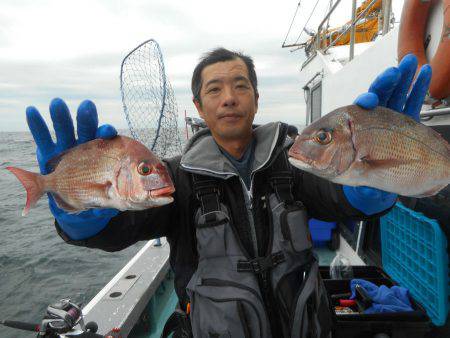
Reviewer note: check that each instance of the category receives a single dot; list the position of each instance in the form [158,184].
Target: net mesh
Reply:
[148,100]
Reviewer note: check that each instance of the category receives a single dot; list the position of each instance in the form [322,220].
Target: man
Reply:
[237,229]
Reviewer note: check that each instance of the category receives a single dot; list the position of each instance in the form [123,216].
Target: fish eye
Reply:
[323,137]
[143,169]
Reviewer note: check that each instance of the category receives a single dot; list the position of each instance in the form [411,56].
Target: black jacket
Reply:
[324,200]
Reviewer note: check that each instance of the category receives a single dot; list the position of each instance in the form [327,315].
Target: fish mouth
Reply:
[299,163]
[298,159]
[162,192]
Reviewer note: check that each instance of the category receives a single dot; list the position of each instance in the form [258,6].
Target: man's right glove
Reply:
[87,223]
[390,89]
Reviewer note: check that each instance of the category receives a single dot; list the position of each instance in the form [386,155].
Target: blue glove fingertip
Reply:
[418,92]
[87,111]
[31,111]
[106,131]
[367,101]
[62,123]
[58,104]
[408,62]
[407,67]
[87,121]
[384,84]
[39,130]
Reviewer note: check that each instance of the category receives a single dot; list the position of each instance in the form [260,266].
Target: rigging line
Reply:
[329,9]
[312,12]
[289,30]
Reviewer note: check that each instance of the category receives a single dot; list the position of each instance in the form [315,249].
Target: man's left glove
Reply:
[87,223]
[390,89]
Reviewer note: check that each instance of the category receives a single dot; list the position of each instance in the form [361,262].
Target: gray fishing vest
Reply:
[225,297]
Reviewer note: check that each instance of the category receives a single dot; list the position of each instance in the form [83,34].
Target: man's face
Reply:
[228,100]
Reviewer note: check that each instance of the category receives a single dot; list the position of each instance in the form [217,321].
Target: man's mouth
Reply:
[230,117]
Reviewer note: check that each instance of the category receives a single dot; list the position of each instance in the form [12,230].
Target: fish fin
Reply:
[63,204]
[33,184]
[382,163]
[97,189]
[431,192]
[102,189]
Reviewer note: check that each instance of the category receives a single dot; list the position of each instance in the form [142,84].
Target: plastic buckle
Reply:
[284,178]
[277,258]
[255,266]
[261,264]
[202,191]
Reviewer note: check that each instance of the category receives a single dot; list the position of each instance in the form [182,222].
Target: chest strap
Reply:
[281,179]
[207,191]
[261,264]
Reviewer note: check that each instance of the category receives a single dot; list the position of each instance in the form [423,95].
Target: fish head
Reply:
[152,183]
[325,148]
[143,180]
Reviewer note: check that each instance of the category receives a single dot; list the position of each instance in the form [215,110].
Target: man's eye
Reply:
[242,86]
[213,90]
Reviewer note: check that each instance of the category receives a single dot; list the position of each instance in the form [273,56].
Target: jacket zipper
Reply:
[249,202]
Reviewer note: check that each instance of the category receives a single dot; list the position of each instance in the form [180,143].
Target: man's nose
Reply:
[229,99]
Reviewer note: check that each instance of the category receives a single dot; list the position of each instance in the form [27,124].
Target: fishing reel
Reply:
[61,317]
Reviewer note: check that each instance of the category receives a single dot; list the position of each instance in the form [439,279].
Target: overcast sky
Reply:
[73,50]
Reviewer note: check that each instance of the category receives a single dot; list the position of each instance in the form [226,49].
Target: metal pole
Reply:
[435,112]
[328,14]
[360,15]
[387,8]
[352,31]
[318,42]
[186,125]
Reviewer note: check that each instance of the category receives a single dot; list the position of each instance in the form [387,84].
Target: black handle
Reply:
[21,325]
[362,298]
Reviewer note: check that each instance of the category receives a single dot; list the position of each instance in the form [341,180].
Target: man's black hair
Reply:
[220,55]
[292,131]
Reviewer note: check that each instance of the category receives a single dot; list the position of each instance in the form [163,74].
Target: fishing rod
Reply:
[59,321]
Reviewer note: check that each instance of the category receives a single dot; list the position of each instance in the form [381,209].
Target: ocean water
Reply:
[37,267]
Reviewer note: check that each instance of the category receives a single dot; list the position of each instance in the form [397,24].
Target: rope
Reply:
[295,14]
[307,21]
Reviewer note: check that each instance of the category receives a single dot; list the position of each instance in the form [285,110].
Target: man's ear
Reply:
[256,99]
[198,105]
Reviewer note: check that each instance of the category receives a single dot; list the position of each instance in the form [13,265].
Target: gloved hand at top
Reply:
[390,89]
[90,222]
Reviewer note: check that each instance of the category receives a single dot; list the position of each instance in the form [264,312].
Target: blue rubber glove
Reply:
[90,222]
[390,89]
[393,299]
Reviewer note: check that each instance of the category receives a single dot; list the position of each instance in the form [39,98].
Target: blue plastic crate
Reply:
[320,231]
[414,254]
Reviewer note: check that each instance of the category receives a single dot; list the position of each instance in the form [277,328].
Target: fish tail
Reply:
[33,184]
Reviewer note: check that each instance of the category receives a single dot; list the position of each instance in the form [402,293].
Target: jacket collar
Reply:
[203,156]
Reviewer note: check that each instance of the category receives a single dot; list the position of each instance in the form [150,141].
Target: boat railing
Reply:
[352,25]
[435,112]
[324,38]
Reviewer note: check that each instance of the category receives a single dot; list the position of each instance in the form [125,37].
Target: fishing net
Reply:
[148,100]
